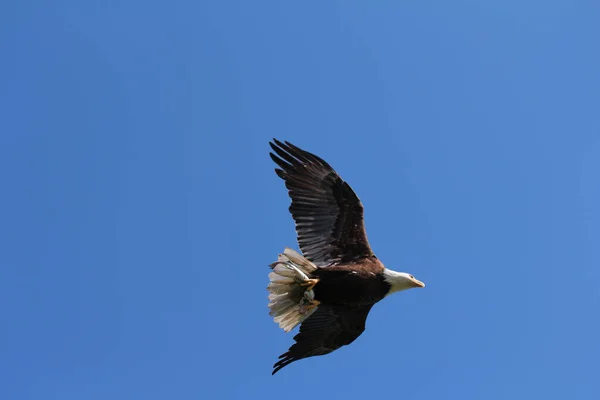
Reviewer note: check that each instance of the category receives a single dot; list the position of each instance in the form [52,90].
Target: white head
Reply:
[400,281]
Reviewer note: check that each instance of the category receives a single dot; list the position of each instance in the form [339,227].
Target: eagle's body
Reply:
[354,284]
[331,288]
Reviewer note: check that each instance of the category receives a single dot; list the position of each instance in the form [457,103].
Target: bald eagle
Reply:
[331,287]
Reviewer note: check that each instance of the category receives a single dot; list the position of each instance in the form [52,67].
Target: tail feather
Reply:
[289,302]
[276,278]
[278,288]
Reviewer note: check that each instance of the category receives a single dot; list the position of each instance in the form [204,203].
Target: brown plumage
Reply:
[328,214]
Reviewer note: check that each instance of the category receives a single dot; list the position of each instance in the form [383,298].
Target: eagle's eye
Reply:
[411,277]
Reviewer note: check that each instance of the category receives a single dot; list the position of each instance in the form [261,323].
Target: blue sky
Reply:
[140,209]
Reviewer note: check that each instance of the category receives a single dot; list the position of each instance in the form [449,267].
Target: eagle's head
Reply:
[400,281]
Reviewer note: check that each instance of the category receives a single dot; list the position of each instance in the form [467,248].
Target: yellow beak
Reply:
[418,283]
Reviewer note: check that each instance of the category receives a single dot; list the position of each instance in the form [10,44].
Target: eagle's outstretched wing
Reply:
[327,212]
[328,329]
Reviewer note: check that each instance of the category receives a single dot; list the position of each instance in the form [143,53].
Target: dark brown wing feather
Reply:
[327,212]
[328,329]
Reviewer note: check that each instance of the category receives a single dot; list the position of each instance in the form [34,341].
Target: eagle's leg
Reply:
[310,284]
[305,308]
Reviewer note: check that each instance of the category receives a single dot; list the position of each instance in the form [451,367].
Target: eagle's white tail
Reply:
[291,298]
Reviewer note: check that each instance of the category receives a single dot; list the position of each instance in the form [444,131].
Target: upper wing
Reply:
[328,329]
[327,212]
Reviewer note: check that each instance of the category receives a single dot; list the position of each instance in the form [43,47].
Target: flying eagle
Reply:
[331,287]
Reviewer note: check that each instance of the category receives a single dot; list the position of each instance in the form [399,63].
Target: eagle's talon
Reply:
[310,284]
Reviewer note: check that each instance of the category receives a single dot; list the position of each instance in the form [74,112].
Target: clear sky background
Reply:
[139,207]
